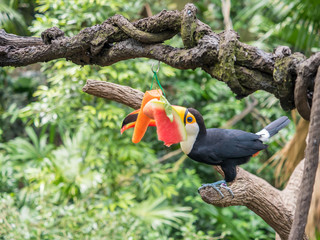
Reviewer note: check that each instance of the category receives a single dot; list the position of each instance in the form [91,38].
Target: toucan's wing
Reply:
[230,144]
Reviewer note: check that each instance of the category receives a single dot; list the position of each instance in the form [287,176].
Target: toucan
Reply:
[214,146]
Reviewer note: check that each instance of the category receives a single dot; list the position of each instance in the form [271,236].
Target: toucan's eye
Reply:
[189,119]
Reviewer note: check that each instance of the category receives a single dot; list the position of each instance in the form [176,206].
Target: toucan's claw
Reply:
[224,185]
[213,186]
[216,186]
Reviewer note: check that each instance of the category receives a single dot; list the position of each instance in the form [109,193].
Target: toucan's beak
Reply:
[130,121]
[182,112]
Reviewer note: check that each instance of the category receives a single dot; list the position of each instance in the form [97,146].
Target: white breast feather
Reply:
[192,133]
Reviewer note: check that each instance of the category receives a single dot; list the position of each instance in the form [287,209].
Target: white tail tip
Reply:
[264,135]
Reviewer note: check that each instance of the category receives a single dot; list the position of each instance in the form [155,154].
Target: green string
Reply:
[155,76]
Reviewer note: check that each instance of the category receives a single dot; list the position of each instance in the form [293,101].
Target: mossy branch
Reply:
[244,68]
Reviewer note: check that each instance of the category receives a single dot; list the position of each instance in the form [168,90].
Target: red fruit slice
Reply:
[168,132]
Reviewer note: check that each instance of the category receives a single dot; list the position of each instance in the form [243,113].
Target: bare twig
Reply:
[245,112]
[226,6]
[170,155]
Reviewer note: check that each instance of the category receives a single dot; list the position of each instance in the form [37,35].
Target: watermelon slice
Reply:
[170,132]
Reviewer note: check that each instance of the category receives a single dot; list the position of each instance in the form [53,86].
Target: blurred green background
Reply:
[65,170]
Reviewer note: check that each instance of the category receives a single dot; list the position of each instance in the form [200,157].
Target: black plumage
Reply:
[227,147]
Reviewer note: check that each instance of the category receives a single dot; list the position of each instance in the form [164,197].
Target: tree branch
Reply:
[244,68]
[305,83]
[274,206]
[145,37]
[310,168]
[260,197]
[111,91]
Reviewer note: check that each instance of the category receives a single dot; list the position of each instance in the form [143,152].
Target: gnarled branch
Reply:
[244,68]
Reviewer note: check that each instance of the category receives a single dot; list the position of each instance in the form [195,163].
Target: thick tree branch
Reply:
[260,197]
[305,83]
[274,206]
[188,25]
[129,29]
[244,68]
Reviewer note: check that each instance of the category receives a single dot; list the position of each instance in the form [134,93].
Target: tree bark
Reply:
[244,68]
[311,164]
[124,94]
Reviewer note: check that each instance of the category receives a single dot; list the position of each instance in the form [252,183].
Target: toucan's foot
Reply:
[216,186]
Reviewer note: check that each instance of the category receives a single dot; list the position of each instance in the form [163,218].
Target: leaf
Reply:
[167,108]
[33,136]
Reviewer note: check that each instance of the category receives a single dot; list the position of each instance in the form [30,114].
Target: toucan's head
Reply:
[194,125]
[192,120]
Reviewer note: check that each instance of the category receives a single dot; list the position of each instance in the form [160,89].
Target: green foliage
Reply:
[15,15]
[289,22]
[269,23]
[10,19]
[67,173]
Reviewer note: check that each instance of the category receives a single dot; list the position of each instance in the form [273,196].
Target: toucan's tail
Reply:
[273,128]
[277,125]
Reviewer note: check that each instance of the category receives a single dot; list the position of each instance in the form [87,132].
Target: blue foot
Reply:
[216,186]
